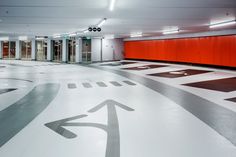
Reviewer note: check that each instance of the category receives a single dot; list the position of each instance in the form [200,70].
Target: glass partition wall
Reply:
[86,51]
[57,50]
[25,50]
[9,49]
[41,50]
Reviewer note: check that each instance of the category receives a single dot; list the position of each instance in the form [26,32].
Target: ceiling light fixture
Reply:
[171,31]
[112,5]
[56,36]
[4,38]
[102,22]
[86,31]
[222,24]
[23,38]
[135,35]
[72,34]
[109,37]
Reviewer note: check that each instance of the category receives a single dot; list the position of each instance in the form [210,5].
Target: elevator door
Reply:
[71,51]
[57,50]
[41,50]
[26,50]
[86,51]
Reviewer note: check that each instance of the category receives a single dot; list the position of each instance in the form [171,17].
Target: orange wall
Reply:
[218,50]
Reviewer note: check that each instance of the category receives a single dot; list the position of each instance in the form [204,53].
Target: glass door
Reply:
[12,52]
[26,50]
[9,49]
[5,49]
[71,50]
[57,50]
[86,51]
[41,50]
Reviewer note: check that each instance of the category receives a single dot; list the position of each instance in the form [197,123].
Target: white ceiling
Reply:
[48,17]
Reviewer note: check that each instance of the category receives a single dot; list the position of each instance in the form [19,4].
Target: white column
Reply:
[49,50]
[1,48]
[78,50]
[18,49]
[33,49]
[64,50]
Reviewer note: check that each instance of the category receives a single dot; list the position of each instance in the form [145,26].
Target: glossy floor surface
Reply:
[116,109]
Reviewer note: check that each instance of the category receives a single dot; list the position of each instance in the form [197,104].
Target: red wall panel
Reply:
[218,50]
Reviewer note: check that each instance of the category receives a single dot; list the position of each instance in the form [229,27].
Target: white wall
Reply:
[112,49]
[96,50]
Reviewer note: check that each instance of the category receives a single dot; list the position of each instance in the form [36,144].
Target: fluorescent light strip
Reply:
[23,38]
[72,34]
[135,35]
[4,38]
[112,5]
[102,22]
[222,24]
[171,32]
[86,31]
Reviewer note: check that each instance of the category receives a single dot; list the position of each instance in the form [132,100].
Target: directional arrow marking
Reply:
[112,127]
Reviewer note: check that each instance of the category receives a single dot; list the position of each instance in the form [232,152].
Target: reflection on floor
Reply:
[118,63]
[223,85]
[116,110]
[145,67]
[180,73]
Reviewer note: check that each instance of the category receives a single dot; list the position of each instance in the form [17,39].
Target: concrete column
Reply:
[1,49]
[49,50]
[18,49]
[64,50]
[33,49]
[78,50]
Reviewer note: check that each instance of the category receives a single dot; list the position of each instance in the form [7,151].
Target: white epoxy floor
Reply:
[156,127]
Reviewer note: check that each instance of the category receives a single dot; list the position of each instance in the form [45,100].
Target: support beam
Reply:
[1,49]
[18,49]
[78,50]
[49,50]
[64,50]
[33,49]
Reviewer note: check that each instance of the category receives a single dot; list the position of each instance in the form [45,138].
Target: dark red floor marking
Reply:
[145,67]
[180,73]
[118,63]
[223,85]
[231,99]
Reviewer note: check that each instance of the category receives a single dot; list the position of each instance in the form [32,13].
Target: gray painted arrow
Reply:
[2,91]
[112,127]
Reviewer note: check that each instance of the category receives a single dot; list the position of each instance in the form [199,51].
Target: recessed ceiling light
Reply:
[170,31]
[86,31]
[72,34]
[112,5]
[4,38]
[23,38]
[135,35]
[222,24]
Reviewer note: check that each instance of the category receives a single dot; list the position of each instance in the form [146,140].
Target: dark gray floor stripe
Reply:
[101,84]
[71,86]
[15,117]
[129,83]
[217,117]
[87,85]
[2,91]
[114,83]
